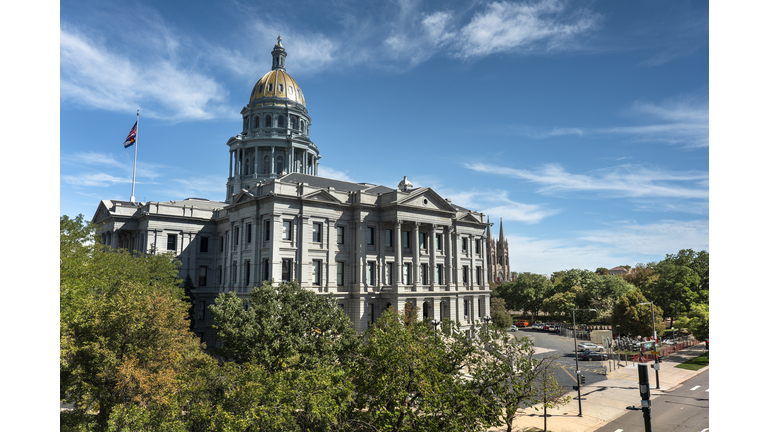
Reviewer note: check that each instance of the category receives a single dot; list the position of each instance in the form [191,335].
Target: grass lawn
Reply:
[695,363]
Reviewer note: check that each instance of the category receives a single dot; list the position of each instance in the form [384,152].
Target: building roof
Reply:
[340,185]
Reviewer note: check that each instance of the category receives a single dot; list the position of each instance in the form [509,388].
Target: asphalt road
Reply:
[684,409]
[561,348]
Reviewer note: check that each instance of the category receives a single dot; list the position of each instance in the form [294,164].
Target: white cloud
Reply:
[496,203]
[622,181]
[93,158]
[106,78]
[663,237]
[97,179]
[679,121]
[197,187]
[328,172]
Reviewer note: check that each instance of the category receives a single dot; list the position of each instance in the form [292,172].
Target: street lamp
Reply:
[576,353]
[435,323]
[655,348]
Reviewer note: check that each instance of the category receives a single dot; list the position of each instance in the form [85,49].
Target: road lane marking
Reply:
[569,374]
[695,388]
[706,390]
[619,430]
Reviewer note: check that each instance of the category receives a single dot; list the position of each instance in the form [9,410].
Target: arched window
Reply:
[255,122]
[279,164]
[268,122]
[280,121]
[301,127]
[266,165]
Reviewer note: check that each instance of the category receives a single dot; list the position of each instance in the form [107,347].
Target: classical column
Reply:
[231,156]
[448,256]
[398,254]
[304,167]
[272,161]
[432,266]
[360,253]
[471,247]
[416,255]
[382,254]
[114,237]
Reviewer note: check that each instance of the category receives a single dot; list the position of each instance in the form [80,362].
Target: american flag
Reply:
[131,140]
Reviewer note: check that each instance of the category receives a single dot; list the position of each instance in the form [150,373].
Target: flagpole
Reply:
[135,151]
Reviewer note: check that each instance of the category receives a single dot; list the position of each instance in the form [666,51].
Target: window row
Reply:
[256,122]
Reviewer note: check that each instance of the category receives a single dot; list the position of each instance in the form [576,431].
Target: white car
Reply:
[589,346]
[513,328]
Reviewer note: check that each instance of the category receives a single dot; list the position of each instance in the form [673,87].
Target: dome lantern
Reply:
[278,55]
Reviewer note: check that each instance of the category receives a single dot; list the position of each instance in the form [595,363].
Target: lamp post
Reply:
[653,325]
[435,323]
[576,353]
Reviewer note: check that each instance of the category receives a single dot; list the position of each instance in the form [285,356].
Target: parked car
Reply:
[537,326]
[589,346]
[522,323]
[554,328]
[593,355]
[513,328]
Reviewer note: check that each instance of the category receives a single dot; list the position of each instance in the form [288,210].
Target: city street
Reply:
[683,409]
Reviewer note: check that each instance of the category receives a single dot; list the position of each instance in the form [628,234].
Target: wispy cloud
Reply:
[328,172]
[618,244]
[682,121]
[619,181]
[104,77]
[497,204]
[94,180]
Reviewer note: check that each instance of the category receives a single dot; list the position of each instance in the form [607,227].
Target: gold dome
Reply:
[277,83]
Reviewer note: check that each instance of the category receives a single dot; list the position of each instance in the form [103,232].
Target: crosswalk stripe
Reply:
[695,388]
[706,390]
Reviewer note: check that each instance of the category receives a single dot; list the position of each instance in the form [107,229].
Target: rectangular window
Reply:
[464,245]
[422,240]
[287,231]
[287,270]
[339,235]
[388,236]
[247,272]
[439,274]
[407,273]
[390,270]
[439,242]
[339,273]
[466,309]
[203,244]
[465,275]
[220,274]
[266,269]
[424,274]
[248,233]
[237,236]
[221,244]
[406,239]
[370,238]
[267,223]
[234,272]
[478,275]
[478,246]
[317,232]
[202,274]
[371,273]
[171,245]
[200,312]
[317,272]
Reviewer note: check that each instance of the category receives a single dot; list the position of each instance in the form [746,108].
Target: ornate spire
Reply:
[279,55]
[501,230]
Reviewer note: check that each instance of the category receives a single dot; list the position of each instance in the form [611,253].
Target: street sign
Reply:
[654,352]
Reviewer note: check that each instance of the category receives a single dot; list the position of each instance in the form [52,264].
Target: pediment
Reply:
[321,196]
[426,198]
[469,217]
[242,196]
[102,212]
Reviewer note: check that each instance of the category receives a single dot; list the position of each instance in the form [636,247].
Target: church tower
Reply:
[498,256]
[275,138]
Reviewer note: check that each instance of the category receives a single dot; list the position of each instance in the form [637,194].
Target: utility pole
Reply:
[645,395]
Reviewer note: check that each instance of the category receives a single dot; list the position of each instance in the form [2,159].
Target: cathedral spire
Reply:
[501,231]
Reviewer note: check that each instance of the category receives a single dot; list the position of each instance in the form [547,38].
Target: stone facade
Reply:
[369,246]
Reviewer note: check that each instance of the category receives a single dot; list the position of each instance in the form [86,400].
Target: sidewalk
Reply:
[607,400]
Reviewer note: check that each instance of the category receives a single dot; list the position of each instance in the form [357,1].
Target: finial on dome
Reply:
[278,55]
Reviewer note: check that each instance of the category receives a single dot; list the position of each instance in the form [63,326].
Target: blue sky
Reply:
[584,125]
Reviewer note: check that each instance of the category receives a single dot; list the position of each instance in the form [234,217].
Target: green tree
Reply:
[602,271]
[189,296]
[526,293]
[696,321]
[409,377]
[500,316]
[631,318]
[683,280]
[281,323]
[560,304]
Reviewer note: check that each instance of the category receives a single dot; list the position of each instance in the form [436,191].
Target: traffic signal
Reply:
[583,379]
[658,359]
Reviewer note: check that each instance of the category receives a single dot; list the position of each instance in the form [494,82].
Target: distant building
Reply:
[618,271]
[498,256]
[370,246]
